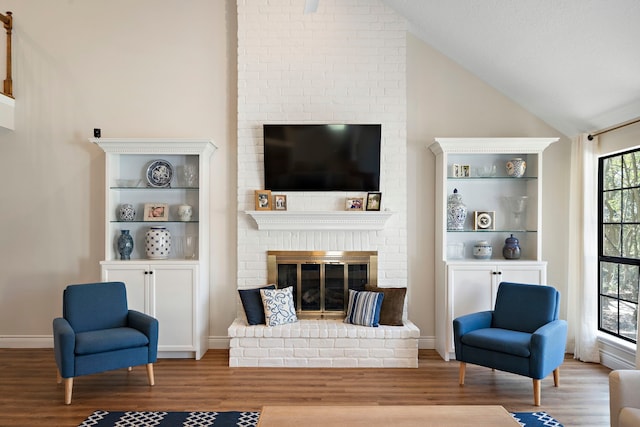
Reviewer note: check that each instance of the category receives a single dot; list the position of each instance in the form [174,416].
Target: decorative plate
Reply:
[159,173]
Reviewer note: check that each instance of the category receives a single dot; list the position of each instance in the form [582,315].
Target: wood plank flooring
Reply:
[30,396]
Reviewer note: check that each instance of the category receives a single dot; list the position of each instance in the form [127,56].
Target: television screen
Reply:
[303,157]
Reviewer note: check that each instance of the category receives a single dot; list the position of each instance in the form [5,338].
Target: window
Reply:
[619,244]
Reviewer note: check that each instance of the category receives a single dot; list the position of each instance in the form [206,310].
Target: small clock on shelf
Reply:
[484,220]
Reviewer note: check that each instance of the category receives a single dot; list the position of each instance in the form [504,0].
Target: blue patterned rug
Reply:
[237,419]
[171,419]
[535,419]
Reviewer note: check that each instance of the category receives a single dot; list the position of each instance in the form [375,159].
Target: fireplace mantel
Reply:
[320,220]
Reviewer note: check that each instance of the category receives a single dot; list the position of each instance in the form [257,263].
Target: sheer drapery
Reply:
[582,309]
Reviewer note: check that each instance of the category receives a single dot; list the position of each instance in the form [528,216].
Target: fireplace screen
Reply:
[321,280]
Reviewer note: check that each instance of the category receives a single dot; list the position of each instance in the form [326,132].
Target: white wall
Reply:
[445,100]
[145,68]
[168,68]
[343,64]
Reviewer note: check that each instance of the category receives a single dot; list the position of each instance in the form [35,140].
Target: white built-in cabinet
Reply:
[173,290]
[465,284]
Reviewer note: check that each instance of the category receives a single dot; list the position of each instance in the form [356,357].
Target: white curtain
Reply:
[582,309]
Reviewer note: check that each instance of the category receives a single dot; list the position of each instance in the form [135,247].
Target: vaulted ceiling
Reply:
[573,63]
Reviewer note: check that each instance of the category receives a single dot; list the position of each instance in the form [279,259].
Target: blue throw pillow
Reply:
[364,308]
[252,304]
[278,306]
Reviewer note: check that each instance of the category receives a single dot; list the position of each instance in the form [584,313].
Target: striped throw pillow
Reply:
[364,308]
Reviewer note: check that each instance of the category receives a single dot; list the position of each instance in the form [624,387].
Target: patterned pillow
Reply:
[252,304]
[278,306]
[364,308]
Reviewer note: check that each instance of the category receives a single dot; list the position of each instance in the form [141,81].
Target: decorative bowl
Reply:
[486,171]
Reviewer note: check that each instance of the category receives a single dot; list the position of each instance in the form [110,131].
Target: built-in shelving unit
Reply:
[465,284]
[175,290]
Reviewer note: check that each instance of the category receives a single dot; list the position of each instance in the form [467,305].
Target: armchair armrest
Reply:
[148,325]
[623,392]
[467,323]
[548,345]
[64,344]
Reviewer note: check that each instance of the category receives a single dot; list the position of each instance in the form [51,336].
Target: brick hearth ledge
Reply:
[323,343]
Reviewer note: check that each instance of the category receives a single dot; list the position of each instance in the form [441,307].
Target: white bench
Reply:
[323,343]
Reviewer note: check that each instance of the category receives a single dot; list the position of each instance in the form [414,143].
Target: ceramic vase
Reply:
[456,211]
[127,212]
[157,243]
[511,249]
[516,167]
[125,244]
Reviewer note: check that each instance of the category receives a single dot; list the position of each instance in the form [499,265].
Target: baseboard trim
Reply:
[616,356]
[26,341]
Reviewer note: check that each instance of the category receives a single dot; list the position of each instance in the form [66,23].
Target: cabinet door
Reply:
[134,278]
[534,274]
[471,289]
[174,296]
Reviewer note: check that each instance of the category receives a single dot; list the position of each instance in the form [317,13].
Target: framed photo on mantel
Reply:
[263,200]
[373,201]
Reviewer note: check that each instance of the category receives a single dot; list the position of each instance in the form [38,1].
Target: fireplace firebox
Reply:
[321,279]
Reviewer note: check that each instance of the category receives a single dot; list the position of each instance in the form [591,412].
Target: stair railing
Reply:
[7,20]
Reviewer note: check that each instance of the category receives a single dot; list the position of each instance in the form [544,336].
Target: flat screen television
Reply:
[328,157]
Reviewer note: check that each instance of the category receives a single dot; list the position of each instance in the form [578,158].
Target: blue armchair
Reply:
[522,335]
[99,333]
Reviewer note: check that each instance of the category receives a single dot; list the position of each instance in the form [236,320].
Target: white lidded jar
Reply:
[482,250]
[157,243]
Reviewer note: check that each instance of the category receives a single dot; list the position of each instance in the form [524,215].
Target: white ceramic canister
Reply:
[516,167]
[482,250]
[157,243]
[185,212]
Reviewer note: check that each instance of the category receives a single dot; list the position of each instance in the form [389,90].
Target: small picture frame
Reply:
[484,220]
[374,200]
[156,212]
[354,204]
[279,202]
[460,171]
[263,200]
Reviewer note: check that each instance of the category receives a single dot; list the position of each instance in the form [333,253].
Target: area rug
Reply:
[535,419]
[171,419]
[237,419]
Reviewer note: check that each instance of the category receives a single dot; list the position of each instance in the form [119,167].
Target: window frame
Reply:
[620,260]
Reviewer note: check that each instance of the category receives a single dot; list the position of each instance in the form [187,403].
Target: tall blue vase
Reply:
[125,244]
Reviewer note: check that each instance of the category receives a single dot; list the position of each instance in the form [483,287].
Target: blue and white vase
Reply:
[125,244]
[482,250]
[456,211]
[157,243]
[127,212]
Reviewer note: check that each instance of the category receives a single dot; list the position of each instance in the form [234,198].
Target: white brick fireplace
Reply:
[343,64]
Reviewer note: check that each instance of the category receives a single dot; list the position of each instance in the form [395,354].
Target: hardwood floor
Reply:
[30,395]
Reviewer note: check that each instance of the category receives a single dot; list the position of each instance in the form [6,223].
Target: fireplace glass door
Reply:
[321,285]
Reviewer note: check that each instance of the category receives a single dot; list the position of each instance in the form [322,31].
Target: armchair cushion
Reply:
[102,340]
[512,300]
[95,306]
[502,340]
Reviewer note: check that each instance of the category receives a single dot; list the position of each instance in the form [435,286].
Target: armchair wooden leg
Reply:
[150,374]
[68,389]
[461,372]
[556,377]
[130,368]
[58,377]
[536,392]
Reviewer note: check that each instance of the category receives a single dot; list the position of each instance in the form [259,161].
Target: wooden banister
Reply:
[7,20]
